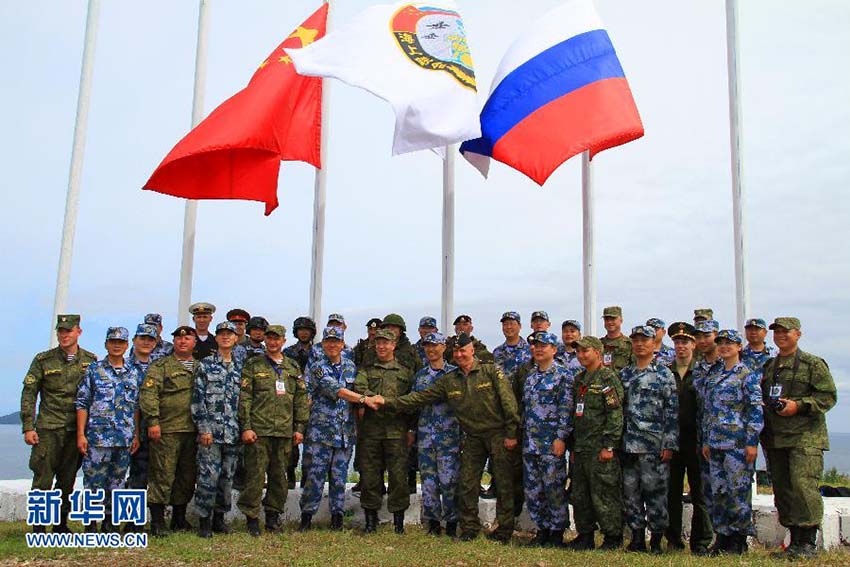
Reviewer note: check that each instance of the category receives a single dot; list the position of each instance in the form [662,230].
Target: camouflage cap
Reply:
[462,340]
[571,323]
[337,318]
[540,315]
[385,334]
[543,337]
[373,323]
[278,330]
[428,322]
[184,330]
[656,323]
[642,331]
[226,326]
[612,311]
[434,339]
[238,315]
[333,333]
[729,335]
[510,316]
[708,326]
[789,323]
[117,334]
[704,313]
[760,323]
[146,330]
[67,321]
[682,330]
[153,319]
[257,322]
[588,342]
[202,308]
[462,319]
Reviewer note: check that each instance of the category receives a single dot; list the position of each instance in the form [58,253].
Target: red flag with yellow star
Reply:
[235,153]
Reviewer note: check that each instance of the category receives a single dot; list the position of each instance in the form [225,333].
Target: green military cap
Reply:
[202,308]
[612,311]
[704,313]
[588,342]
[67,321]
[788,323]
[385,334]
[278,330]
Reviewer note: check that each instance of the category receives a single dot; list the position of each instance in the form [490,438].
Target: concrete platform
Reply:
[835,530]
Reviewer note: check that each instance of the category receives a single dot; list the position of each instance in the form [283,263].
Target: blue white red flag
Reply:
[559,90]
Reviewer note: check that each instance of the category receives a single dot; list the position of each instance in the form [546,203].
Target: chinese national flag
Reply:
[235,153]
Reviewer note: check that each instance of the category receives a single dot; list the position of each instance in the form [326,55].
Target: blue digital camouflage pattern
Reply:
[146,330]
[732,413]
[162,349]
[645,479]
[215,398]
[510,357]
[730,505]
[301,353]
[547,406]
[428,322]
[153,319]
[140,460]
[420,350]
[105,468]
[111,397]
[117,334]
[656,323]
[755,360]
[544,487]
[665,355]
[569,359]
[707,326]
[216,469]
[703,369]
[316,461]
[650,409]
[729,335]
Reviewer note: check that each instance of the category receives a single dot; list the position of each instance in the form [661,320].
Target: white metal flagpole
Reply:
[448,297]
[190,215]
[320,196]
[588,245]
[72,201]
[742,282]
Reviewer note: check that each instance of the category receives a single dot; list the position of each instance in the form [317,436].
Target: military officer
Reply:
[798,390]
[202,315]
[650,413]
[163,347]
[108,421]
[256,329]
[703,314]
[597,482]
[166,404]
[363,345]
[330,432]
[427,325]
[618,347]
[405,352]
[486,408]
[463,324]
[273,412]
[304,331]
[515,351]
[708,362]
[334,320]
[664,354]
[757,352]
[240,318]
[215,405]
[570,333]
[54,377]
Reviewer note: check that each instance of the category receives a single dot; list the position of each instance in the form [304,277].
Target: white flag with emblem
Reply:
[415,56]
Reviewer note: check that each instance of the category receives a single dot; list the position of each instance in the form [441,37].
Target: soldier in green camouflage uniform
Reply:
[368,343]
[463,324]
[273,413]
[617,353]
[703,314]
[55,375]
[166,404]
[597,480]
[798,390]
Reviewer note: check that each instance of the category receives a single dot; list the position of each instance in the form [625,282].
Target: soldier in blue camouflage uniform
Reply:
[546,406]
[427,325]
[330,436]
[540,322]
[334,320]
[707,362]
[732,420]
[108,420]
[141,356]
[515,351]
[163,347]
[215,406]
[570,333]
[664,354]
[757,352]
[651,416]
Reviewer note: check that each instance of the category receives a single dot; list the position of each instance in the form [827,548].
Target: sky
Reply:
[664,217]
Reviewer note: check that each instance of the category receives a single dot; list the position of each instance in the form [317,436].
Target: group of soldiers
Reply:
[610,425]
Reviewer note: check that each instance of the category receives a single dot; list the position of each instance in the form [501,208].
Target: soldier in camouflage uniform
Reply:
[368,343]
[486,408]
[161,347]
[141,357]
[304,331]
[273,412]
[757,353]
[463,324]
[703,314]
[166,404]
[330,432]
[405,352]
[664,354]
[798,390]
[202,315]
[108,421]
[708,362]
[732,420]
[256,329]
[427,325]
[651,416]
[540,322]
[597,482]
[515,351]
[215,405]
[54,376]
[618,347]
[570,333]
[546,404]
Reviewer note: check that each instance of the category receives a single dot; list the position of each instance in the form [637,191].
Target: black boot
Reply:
[106,526]
[411,482]
[638,542]
[675,543]
[582,542]
[272,521]
[541,538]
[371,521]
[158,520]
[737,544]
[205,527]
[451,529]
[336,522]
[556,539]
[219,526]
[306,523]
[398,522]
[62,526]
[808,542]
[434,527]
[91,528]
[655,543]
[720,545]
[39,529]
[612,542]
[253,525]
[178,519]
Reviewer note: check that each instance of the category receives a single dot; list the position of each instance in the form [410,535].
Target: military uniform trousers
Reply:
[55,456]
[597,494]
[545,482]
[645,480]
[140,463]
[439,470]
[104,468]
[268,456]
[476,450]
[377,456]
[730,504]
[216,468]
[320,462]
[173,469]
[796,473]
[686,461]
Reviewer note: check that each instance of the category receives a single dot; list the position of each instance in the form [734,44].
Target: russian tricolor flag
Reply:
[559,90]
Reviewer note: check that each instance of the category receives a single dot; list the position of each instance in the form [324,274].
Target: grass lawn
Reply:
[351,547]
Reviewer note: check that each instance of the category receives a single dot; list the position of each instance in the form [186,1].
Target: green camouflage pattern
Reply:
[166,396]
[56,381]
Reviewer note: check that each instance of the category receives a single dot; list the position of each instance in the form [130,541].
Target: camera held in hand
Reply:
[778,405]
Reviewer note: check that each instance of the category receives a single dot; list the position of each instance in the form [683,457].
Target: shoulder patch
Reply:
[30,379]
[149,383]
[245,382]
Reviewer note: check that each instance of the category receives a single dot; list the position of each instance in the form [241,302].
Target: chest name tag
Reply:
[484,386]
[607,359]
[280,387]
[580,409]
[455,394]
[776,391]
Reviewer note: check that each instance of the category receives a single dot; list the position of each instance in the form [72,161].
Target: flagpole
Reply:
[319,199]
[190,214]
[742,283]
[72,200]
[588,245]
[448,297]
